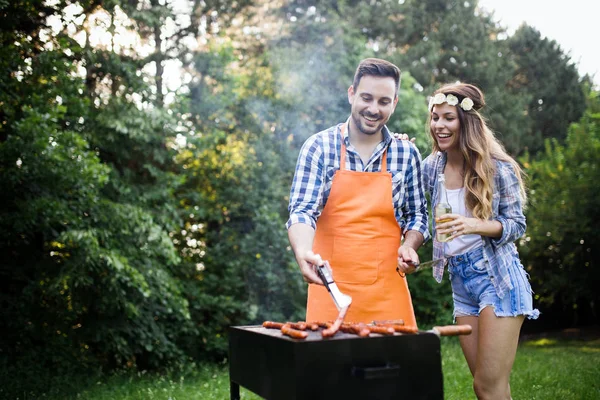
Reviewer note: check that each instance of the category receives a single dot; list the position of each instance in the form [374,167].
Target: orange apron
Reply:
[359,235]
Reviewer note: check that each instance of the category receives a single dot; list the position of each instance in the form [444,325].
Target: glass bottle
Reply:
[442,207]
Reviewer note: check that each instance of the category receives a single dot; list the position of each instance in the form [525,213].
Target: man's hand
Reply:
[308,263]
[301,238]
[407,258]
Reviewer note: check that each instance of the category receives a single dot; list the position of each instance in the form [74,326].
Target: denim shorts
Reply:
[472,288]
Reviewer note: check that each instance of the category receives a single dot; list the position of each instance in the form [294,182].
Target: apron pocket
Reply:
[355,261]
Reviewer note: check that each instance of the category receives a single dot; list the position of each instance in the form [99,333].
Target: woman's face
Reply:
[445,126]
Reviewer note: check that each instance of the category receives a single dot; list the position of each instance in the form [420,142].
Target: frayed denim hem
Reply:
[533,314]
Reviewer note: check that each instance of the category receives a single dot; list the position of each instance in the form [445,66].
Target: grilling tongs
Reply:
[340,299]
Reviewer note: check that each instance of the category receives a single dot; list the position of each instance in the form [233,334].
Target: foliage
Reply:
[313,62]
[411,114]
[86,258]
[544,71]
[140,219]
[233,203]
[559,249]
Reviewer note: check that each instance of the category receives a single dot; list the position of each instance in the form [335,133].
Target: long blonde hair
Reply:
[480,148]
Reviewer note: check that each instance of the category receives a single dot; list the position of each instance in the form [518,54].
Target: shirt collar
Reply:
[387,137]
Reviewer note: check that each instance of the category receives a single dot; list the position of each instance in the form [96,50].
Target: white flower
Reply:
[439,98]
[452,100]
[466,104]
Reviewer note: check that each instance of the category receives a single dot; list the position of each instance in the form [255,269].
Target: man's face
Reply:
[373,103]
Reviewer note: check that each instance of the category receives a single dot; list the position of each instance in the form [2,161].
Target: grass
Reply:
[544,369]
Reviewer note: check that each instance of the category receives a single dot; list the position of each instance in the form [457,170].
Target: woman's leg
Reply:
[497,341]
[468,343]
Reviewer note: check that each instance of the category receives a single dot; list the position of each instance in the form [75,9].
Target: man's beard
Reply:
[366,129]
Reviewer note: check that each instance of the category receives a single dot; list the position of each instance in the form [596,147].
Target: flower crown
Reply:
[466,103]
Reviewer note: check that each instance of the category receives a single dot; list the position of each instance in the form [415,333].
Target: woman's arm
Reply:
[510,205]
[508,221]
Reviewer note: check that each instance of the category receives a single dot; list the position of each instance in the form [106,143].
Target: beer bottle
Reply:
[442,207]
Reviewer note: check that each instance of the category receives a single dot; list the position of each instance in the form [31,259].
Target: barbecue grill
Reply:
[277,367]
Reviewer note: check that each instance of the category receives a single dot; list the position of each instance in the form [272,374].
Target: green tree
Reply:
[547,77]
[88,179]
[233,202]
[559,248]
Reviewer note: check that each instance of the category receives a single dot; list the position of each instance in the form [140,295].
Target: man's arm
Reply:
[414,209]
[407,253]
[413,239]
[305,197]
[414,204]
[301,238]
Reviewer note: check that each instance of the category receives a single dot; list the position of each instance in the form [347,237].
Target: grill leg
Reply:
[234,390]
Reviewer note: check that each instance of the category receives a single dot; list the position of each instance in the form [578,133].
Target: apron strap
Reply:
[343,151]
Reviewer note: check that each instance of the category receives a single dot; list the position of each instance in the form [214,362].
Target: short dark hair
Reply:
[376,67]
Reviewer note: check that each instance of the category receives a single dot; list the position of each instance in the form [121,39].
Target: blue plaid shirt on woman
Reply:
[319,159]
[507,208]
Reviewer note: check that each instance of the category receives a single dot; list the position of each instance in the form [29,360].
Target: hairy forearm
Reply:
[413,239]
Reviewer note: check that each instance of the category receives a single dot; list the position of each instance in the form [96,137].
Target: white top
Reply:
[463,243]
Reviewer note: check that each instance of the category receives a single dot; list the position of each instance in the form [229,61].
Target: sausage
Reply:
[389,322]
[312,326]
[272,325]
[382,330]
[453,330]
[297,325]
[322,324]
[286,329]
[405,329]
[332,330]
[359,329]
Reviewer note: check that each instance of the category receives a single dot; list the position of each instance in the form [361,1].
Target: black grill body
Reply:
[346,366]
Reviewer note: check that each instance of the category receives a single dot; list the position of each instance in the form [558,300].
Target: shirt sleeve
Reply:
[427,170]
[414,206]
[510,205]
[307,186]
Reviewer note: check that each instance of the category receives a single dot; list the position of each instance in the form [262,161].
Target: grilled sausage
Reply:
[382,330]
[405,329]
[301,326]
[453,330]
[322,324]
[389,322]
[359,329]
[313,326]
[286,329]
[332,330]
[272,325]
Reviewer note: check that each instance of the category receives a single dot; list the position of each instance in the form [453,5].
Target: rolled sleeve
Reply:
[307,186]
[510,206]
[301,219]
[414,206]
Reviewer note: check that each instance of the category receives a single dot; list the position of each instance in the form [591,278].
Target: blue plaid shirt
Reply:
[319,158]
[507,208]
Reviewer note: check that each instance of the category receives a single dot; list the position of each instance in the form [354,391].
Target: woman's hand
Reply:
[402,136]
[457,225]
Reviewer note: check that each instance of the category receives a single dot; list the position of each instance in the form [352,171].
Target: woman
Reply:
[484,184]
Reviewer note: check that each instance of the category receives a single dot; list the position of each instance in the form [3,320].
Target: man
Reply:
[355,191]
